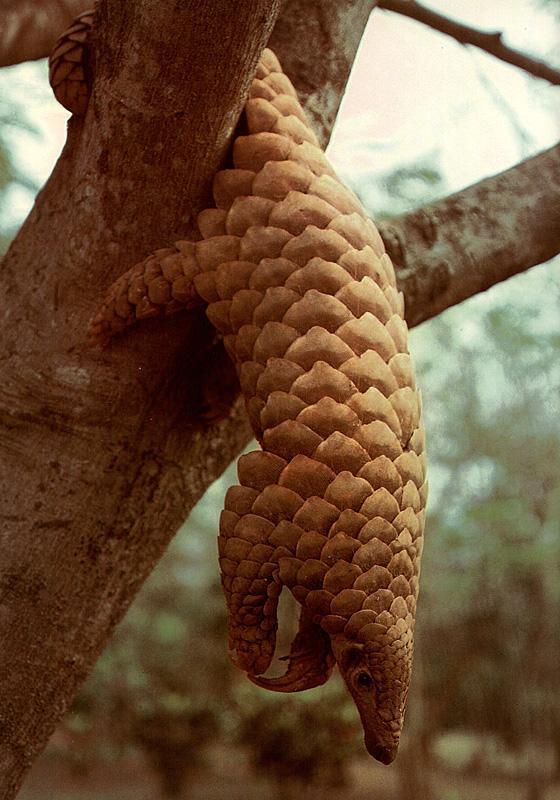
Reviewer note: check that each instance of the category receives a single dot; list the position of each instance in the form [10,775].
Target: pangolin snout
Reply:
[381,752]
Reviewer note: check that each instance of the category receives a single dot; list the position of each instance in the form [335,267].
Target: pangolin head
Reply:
[377,674]
[374,659]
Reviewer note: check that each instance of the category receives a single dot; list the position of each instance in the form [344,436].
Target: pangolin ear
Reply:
[351,656]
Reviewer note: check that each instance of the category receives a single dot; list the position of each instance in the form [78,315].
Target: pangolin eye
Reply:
[363,680]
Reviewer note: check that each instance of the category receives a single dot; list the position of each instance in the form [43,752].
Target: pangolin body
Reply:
[296,279]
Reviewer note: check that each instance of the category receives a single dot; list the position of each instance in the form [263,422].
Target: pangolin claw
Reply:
[310,661]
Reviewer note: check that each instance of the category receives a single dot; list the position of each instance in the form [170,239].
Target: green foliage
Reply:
[163,686]
[398,191]
[551,5]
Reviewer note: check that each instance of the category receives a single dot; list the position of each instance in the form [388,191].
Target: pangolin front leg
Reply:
[296,279]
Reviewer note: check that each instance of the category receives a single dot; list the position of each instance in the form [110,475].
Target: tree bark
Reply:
[452,249]
[102,453]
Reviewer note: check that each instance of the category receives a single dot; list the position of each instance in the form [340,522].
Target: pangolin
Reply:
[296,279]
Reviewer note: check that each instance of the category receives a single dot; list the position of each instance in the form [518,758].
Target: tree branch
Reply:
[450,250]
[31,27]
[490,42]
[103,455]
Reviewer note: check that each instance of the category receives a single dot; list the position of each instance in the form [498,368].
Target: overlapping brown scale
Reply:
[280,406]
[231,183]
[277,503]
[278,375]
[271,272]
[231,276]
[263,241]
[298,210]
[369,369]
[318,344]
[318,272]
[212,222]
[373,404]
[259,88]
[277,179]
[296,130]
[379,440]
[316,514]
[242,307]
[314,158]
[351,227]
[307,476]
[365,296]
[275,303]
[315,242]
[349,522]
[261,114]
[290,438]
[327,416]
[383,472]
[254,151]
[366,263]
[340,453]
[347,491]
[368,333]
[274,340]
[247,211]
[322,380]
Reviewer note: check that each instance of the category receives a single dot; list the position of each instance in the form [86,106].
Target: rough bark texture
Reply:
[102,454]
[450,250]
[30,27]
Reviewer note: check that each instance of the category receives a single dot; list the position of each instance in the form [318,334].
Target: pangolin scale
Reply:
[296,279]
